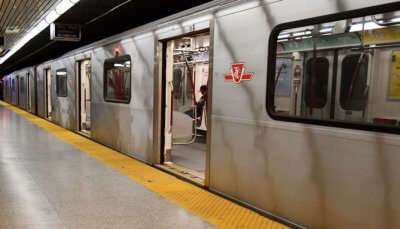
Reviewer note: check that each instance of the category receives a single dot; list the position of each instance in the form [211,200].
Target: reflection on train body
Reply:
[341,73]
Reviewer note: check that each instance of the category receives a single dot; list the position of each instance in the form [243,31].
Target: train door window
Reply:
[47,76]
[358,85]
[353,86]
[61,83]
[84,92]
[316,79]
[117,79]
[186,86]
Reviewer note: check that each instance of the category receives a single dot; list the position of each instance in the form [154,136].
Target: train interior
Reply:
[84,96]
[347,70]
[187,71]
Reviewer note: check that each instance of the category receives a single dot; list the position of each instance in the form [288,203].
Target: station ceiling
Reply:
[98,18]
[16,17]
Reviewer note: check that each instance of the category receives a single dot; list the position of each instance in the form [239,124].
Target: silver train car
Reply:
[289,107]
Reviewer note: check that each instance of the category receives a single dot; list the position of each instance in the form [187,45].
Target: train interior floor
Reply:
[192,156]
[53,178]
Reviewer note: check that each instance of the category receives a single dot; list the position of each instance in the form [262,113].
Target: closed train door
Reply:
[1,90]
[29,92]
[22,92]
[84,92]
[352,90]
[185,113]
[17,90]
[318,75]
[49,108]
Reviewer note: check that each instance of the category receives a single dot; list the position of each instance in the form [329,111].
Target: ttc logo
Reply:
[238,73]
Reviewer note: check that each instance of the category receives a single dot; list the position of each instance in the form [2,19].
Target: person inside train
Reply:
[203,100]
[200,105]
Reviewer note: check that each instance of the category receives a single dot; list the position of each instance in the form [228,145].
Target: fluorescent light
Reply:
[42,25]
[61,73]
[367,26]
[299,34]
[64,6]
[52,16]
[396,19]
[118,65]
[326,30]
[283,36]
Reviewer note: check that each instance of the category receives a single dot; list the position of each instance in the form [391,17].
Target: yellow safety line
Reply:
[208,206]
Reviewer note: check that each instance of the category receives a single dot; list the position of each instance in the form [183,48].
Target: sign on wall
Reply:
[65,32]
[238,73]
[394,84]
[382,36]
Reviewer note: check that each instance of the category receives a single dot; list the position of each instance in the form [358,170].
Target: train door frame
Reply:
[47,91]
[159,121]
[78,74]
[330,56]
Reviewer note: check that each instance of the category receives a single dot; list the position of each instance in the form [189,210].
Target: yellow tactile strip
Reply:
[210,207]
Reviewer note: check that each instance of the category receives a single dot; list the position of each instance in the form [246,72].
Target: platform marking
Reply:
[214,209]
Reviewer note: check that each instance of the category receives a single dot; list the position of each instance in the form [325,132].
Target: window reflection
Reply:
[342,71]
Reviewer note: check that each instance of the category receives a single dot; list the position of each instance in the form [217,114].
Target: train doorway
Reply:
[185,83]
[84,94]
[47,76]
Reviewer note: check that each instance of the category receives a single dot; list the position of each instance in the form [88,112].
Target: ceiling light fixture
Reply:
[62,7]
[367,26]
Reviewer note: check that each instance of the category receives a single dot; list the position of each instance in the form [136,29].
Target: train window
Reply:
[61,83]
[117,79]
[343,72]
[353,86]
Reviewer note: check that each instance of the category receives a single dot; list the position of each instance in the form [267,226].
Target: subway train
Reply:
[287,107]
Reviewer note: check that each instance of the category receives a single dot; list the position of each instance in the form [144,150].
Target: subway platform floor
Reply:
[53,178]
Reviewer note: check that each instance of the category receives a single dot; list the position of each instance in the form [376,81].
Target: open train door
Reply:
[84,95]
[47,81]
[185,102]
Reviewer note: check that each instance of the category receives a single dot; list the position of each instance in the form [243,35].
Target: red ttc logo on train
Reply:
[238,73]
